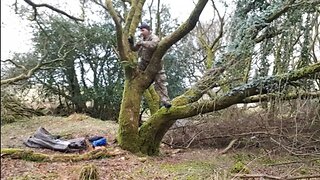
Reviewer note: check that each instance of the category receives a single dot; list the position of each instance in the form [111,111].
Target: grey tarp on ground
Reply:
[43,139]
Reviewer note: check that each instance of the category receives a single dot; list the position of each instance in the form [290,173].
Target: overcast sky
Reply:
[15,36]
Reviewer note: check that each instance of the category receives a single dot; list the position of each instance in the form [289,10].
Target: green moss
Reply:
[268,161]
[190,169]
[185,98]
[243,157]
[129,118]
[152,99]
[47,176]
[25,155]
[303,171]
[239,167]
[38,157]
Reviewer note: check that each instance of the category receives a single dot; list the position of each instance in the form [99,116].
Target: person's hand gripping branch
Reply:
[131,41]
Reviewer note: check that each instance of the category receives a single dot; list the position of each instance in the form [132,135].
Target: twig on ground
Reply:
[229,146]
[276,177]
[294,162]
[192,139]
[291,152]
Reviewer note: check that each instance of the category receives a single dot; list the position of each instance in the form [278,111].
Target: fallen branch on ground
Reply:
[30,155]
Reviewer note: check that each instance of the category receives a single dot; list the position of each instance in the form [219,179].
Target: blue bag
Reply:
[99,142]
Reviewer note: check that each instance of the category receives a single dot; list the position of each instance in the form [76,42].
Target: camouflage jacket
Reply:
[145,51]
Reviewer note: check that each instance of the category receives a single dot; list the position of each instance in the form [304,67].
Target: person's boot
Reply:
[166,104]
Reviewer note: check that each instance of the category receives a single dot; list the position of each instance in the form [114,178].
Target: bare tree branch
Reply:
[23,76]
[30,72]
[52,8]
[15,64]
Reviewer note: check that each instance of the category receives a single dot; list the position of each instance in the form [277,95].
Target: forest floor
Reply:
[188,163]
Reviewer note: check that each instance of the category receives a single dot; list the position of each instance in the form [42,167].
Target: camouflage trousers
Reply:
[160,85]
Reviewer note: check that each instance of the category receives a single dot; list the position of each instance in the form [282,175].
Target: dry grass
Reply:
[76,125]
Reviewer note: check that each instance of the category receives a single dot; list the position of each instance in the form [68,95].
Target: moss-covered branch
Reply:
[119,30]
[130,17]
[152,99]
[136,16]
[30,155]
[210,79]
[289,96]
[266,85]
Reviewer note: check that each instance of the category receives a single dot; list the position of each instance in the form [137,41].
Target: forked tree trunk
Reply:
[129,136]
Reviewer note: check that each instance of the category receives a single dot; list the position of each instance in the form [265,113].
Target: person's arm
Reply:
[132,46]
[135,47]
[150,44]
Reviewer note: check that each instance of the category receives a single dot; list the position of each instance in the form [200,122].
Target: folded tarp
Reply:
[43,139]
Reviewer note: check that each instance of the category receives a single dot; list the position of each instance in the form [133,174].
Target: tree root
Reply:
[29,155]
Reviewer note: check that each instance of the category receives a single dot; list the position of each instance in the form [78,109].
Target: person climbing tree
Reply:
[145,49]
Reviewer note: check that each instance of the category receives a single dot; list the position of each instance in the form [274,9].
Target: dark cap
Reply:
[144,25]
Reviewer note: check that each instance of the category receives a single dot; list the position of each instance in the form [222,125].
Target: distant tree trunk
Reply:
[74,87]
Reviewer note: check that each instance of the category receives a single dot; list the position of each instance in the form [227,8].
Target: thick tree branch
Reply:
[237,95]
[289,96]
[53,9]
[207,82]
[210,79]
[119,30]
[182,30]
[154,129]
[129,17]
[138,9]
